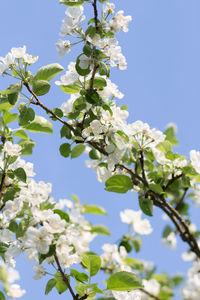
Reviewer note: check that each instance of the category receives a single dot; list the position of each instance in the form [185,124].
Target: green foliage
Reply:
[60,284]
[2,296]
[65,132]
[8,117]
[119,184]
[50,285]
[146,205]
[93,209]
[77,150]
[63,215]
[48,72]
[92,262]
[27,147]
[65,149]
[71,4]
[39,124]
[79,276]
[41,87]
[134,263]
[100,229]
[124,281]
[20,174]
[70,89]
[27,115]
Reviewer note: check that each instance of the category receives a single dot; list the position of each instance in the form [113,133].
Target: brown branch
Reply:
[66,281]
[178,205]
[93,75]
[94,4]
[150,294]
[174,178]
[142,167]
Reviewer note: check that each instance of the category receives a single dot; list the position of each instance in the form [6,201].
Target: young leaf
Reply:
[119,184]
[20,174]
[48,72]
[92,262]
[68,3]
[2,297]
[100,229]
[79,276]
[137,243]
[39,124]
[22,134]
[50,284]
[65,149]
[60,284]
[41,87]
[77,150]
[62,214]
[146,206]
[93,209]
[8,117]
[70,89]
[124,281]
[27,115]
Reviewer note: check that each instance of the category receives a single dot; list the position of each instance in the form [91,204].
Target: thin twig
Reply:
[179,203]
[150,294]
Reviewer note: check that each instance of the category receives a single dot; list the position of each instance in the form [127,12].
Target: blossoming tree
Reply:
[126,156]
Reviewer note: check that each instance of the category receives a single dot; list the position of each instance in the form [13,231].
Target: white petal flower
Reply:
[18,52]
[30,59]
[15,291]
[84,62]
[195,160]
[134,217]
[62,47]
[12,149]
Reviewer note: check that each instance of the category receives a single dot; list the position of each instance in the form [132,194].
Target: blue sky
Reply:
[161,85]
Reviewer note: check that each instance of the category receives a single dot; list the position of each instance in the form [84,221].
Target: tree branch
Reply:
[66,281]
[150,294]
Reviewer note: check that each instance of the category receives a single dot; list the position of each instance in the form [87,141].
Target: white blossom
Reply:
[63,47]
[11,149]
[134,218]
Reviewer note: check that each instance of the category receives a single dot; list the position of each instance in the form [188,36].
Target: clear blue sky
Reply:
[161,85]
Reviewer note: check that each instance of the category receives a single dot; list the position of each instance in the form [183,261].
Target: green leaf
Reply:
[92,97]
[156,188]
[100,229]
[58,112]
[27,147]
[165,146]
[50,285]
[167,230]
[48,72]
[4,104]
[12,89]
[134,263]
[82,72]
[27,115]
[119,184]
[171,135]
[103,69]
[40,124]
[99,82]
[41,87]
[8,117]
[2,297]
[79,276]
[20,174]
[63,215]
[93,209]
[22,134]
[65,132]
[65,149]
[146,206]
[70,89]
[124,281]
[77,150]
[12,98]
[68,3]
[92,262]
[60,284]
[137,243]
[13,226]
[87,50]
